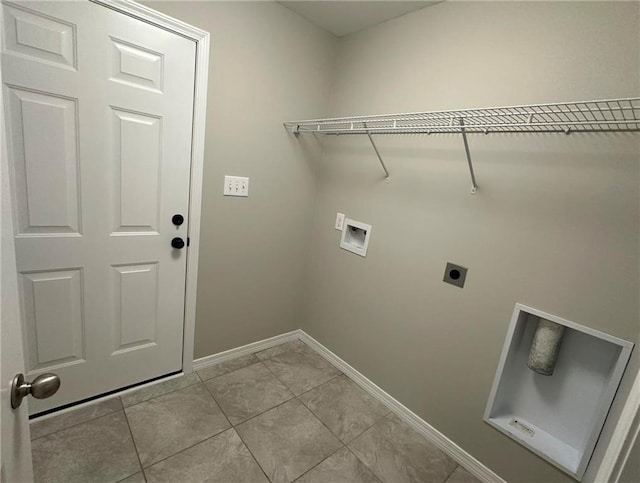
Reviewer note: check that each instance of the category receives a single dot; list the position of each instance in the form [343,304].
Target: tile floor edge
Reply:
[464,459]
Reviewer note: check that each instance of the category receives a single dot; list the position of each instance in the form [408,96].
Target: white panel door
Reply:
[15,443]
[99,111]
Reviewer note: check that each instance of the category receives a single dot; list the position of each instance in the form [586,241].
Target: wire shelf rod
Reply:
[617,125]
[561,116]
[622,106]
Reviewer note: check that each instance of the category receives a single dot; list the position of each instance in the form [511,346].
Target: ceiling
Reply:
[344,17]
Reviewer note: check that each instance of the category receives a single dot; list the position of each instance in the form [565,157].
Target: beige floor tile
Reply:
[248,392]
[340,467]
[398,454]
[301,371]
[159,389]
[460,475]
[223,458]
[137,478]
[344,407]
[293,345]
[77,416]
[226,367]
[287,441]
[168,424]
[98,451]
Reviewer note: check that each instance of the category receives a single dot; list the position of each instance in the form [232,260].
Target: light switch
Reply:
[339,221]
[236,186]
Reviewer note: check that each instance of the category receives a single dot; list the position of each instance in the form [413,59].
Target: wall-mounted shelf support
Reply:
[608,115]
[375,148]
[474,185]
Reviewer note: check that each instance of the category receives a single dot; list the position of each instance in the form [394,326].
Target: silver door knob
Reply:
[42,387]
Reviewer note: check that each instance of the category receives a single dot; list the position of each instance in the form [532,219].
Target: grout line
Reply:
[252,455]
[276,376]
[319,463]
[141,472]
[342,445]
[318,418]
[379,420]
[360,459]
[340,373]
[192,445]
[77,424]
[279,353]
[323,383]
[260,361]
[123,407]
[294,396]
[217,404]
[164,393]
[297,396]
[204,381]
[452,472]
[365,464]
[366,431]
[376,421]
[228,372]
[135,446]
[266,411]
[185,449]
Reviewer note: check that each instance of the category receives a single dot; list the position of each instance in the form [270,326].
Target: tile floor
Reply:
[284,414]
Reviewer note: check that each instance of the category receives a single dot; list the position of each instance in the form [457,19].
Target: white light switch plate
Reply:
[236,186]
[339,221]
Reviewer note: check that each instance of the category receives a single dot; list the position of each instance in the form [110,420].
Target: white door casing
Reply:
[99,108]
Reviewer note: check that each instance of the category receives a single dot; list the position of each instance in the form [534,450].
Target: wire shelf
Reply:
[608,115]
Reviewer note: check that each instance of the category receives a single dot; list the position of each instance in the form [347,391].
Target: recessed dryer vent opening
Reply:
[355,237]
[558,414]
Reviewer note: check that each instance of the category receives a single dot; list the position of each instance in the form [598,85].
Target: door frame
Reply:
[201,39]
[626,431]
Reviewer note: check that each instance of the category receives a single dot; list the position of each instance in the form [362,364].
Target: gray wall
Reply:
[555,224]
[267,65]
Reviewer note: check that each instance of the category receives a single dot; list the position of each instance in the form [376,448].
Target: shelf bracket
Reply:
[474,186]
[375,148]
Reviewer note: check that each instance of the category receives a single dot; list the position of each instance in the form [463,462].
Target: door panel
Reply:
[100,118]
[54,322]
[136,66]
[136,306]
[137,147]
[42,38]
[44,127]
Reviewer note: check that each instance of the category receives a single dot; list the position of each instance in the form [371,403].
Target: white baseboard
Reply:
[471,464]
[244,350]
